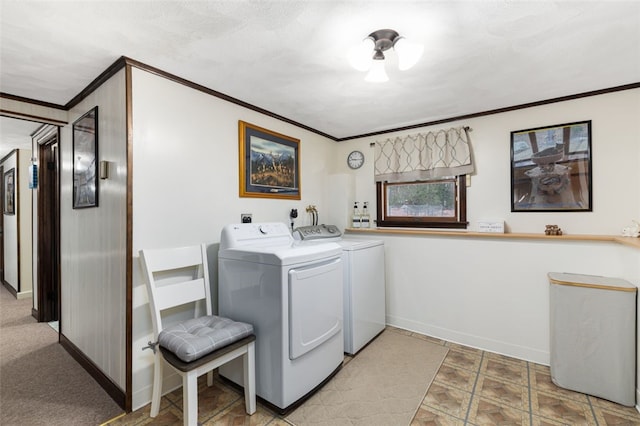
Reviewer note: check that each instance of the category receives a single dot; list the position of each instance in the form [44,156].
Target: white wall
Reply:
[25,206]
[615,161]
[493,294]
[17,227]
[186,189]
[10,230]
[93,240]
[185,184]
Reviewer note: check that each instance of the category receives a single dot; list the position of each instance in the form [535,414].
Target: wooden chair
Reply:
[176,277]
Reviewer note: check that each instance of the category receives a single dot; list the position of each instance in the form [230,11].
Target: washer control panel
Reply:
[316,232]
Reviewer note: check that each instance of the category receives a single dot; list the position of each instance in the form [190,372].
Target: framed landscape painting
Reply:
[269,163]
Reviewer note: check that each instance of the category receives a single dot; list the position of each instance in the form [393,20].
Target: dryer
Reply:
[364,283]
[364,292]
[292,294]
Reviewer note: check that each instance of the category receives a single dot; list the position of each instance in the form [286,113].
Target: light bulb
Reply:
[360,56]
[408,53]
[377,74]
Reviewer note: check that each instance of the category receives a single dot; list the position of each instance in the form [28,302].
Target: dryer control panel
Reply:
[316,232]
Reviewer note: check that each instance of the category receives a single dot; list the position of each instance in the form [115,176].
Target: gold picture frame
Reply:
[269,163]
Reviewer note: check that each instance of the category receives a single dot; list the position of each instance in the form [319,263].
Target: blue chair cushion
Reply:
[198,337]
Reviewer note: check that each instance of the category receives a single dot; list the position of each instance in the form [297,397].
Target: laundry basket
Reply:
[593,335]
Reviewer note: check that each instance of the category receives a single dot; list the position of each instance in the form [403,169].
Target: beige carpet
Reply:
[383,385]
[40,383]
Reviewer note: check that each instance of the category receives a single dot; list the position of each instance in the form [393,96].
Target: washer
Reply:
[292,294]
[364,283]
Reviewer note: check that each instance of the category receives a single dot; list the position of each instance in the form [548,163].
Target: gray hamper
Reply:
[593,335]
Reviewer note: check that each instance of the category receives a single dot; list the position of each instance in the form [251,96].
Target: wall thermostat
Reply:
[355,160]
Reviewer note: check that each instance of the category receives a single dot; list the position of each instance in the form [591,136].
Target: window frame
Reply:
[459,222]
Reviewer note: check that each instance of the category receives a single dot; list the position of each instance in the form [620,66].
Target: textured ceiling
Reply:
[290,57]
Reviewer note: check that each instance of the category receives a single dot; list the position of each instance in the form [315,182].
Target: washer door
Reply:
[315,306]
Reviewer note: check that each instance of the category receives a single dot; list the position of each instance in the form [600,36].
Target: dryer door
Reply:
[315,305]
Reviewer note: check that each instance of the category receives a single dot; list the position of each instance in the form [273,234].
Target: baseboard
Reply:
[170,382]
[9,287]
[34,313]
[504,348]
[94,371]
[24,294]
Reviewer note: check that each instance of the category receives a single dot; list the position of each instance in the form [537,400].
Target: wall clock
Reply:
[355,160]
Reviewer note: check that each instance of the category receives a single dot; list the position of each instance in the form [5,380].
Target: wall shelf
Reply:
[628,241]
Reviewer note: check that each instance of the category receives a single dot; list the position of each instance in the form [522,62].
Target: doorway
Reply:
[2,225]
[48,264]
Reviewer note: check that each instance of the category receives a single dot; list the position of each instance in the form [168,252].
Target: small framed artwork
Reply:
[85,160]
[10,192]
[551,168]
[269,163]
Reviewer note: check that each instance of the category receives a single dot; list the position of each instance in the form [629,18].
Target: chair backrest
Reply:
[174,277]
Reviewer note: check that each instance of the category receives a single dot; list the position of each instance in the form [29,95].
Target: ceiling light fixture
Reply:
[379,41]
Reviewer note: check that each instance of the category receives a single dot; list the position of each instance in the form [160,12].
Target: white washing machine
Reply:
[364,283]
[292,294]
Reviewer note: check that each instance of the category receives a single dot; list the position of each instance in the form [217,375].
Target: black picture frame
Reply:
[85,160]
[269,163]
[551,168]
[10,192]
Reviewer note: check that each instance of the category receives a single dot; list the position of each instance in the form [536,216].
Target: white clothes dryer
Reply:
[292,294]
[364,292]
[364,283]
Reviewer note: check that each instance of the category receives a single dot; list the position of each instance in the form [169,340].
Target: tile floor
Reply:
[472,387]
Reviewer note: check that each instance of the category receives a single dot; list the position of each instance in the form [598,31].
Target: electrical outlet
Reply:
[245,218]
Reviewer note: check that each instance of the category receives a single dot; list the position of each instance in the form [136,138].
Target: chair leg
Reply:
[157,385]
[210,378]
[190,398]
[249,379]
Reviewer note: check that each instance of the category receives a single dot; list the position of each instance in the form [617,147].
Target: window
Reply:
[439,203]
[421,179]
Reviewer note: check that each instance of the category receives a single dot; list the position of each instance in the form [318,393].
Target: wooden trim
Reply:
[103,380]
[498,110]
[125,61]
[594,286]
[3,159]
[409,223]
[458,222]
[18,210]
[29,117]
[628,241]
[129,242]
[97,82]
[31,101]
[47,258]
[10,288]
[34,313]
[222,96]
[43,132]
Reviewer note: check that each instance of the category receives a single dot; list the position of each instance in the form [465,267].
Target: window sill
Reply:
[627,241]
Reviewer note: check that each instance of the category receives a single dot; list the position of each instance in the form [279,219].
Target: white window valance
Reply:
[424,156]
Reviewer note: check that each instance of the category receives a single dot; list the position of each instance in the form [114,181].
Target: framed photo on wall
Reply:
[10,192]
[85,160]
[551,168]
[269,163]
